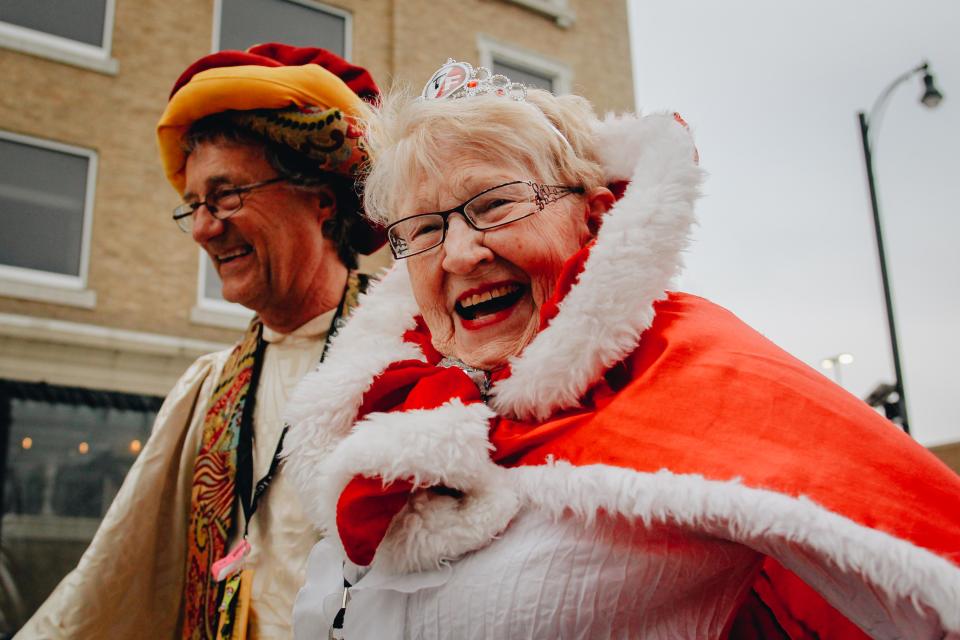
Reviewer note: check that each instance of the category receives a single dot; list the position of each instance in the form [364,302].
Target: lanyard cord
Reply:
[248,495]
[245,443]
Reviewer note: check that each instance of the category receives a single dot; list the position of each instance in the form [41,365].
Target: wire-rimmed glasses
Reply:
[221,204]
[489,209]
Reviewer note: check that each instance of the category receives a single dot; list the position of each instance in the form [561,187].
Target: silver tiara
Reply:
[461,80]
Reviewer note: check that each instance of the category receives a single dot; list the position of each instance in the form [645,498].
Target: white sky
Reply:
[771,90]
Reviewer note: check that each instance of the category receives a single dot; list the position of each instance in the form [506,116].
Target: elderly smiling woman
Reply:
[521,433]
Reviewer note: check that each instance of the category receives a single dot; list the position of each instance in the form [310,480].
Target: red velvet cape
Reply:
[705,394]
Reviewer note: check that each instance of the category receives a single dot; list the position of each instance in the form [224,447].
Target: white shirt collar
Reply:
[309,330]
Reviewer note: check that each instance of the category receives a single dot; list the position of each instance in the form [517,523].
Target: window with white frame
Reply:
[46,207]
[523,75]
[303,23]
[211,308]
[523,66]
[240,24]
[559,10]
[77,32]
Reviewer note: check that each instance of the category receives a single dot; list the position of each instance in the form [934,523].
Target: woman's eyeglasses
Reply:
[489,209]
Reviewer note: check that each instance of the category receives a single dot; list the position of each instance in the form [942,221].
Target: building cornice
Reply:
[76,354]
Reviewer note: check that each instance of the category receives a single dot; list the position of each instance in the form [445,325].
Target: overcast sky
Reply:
[771,90]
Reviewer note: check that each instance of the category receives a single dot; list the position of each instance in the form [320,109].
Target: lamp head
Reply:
[931,95]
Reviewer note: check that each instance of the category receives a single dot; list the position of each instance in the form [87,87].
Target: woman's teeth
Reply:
[477,298]
[492,301]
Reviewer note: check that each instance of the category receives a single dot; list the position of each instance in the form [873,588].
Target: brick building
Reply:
[103,302]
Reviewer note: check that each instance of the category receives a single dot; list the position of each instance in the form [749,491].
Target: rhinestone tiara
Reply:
[461,80]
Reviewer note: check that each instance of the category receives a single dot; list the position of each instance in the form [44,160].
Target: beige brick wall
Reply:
[596,46]
[143,270]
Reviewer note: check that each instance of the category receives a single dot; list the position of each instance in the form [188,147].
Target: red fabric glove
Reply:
[366,508]
[364,513]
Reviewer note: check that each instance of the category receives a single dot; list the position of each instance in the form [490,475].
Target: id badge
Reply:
[235,606]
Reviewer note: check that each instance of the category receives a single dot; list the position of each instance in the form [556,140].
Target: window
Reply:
[559,10]
[77,32]
[65,453]
[525,67]
[523,76]
[211,308]
[243,23]
[240,24]
[46,206]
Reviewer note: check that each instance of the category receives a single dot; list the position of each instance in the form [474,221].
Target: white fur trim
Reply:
[636,255]
[323,406]
[433,529]
[835,555]
[445,446]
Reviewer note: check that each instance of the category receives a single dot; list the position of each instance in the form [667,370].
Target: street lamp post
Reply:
[931,98]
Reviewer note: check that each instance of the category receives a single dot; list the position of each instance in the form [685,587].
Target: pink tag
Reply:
[230,563]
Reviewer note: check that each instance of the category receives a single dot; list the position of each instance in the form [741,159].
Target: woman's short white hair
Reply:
[411,138]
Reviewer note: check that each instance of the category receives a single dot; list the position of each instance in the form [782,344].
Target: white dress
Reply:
[542,579]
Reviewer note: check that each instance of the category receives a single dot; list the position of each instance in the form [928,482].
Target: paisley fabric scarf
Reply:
[214,473]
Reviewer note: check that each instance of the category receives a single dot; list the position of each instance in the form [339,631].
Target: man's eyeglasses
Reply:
[221,204]
[495,207]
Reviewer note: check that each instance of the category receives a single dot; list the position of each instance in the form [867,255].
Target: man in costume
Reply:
[206,538]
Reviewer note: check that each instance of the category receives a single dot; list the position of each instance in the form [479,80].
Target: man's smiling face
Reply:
[260,252]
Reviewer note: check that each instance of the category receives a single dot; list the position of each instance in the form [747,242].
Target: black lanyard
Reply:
[249,496]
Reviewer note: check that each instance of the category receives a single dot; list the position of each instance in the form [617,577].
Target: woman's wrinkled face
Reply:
[480,292]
